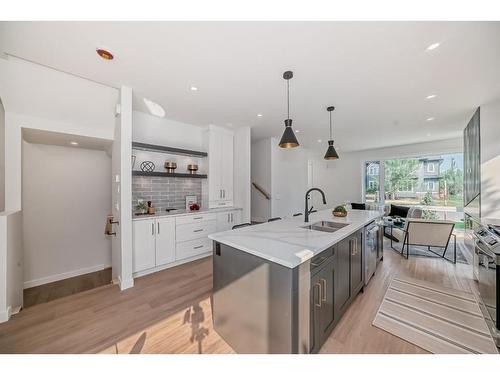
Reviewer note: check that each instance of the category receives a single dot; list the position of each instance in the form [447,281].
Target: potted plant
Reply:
[141,208]
[339,211]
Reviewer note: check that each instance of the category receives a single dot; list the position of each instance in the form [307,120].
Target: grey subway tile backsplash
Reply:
[164,192]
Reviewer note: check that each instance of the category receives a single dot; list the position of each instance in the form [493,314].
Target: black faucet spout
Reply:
[307,211]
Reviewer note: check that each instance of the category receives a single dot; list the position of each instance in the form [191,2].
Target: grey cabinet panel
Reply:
[356,243]
[343,275]
[322,304]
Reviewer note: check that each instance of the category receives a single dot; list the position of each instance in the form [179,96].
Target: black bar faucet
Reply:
[306,212]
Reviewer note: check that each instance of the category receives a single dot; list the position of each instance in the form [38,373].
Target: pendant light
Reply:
[288,140]
[331,154]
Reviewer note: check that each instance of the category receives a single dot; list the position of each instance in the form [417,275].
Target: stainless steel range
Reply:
[487,264]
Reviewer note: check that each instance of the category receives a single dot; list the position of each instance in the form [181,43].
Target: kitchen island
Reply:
[281,287]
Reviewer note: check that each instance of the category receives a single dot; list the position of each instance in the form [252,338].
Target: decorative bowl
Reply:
[170,166]
[192,168]
[339,214]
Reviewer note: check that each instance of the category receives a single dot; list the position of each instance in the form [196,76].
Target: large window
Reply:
[433,182]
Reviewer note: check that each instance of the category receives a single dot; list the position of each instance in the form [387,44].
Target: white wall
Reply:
[66,198]
[165,132]
[261,175]
[41,98]
[2,157]
[11,257]
[289,179]
[242,172]
[121,169]
[490,159]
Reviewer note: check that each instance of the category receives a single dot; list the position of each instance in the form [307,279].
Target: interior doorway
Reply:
[66,198]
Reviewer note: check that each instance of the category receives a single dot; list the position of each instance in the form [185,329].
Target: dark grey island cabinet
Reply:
[260,306]
[335,282]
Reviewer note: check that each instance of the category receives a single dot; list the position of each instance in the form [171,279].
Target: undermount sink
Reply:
[325,226]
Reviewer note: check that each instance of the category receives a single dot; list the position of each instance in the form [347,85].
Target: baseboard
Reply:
[64,275]
[5,315]
[258,219]
[170,265]
[125,284]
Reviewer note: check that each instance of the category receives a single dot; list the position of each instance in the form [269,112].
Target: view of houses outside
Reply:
[435,183]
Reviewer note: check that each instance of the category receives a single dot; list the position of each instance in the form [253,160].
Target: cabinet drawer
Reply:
[192,248]
[189,219]
[219,204]
[188,232]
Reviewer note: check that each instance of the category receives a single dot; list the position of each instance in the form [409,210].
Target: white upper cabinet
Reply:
[220,167]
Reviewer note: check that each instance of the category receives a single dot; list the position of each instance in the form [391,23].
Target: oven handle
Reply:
[483,248]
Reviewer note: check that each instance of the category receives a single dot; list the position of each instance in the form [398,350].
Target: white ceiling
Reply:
[376,74]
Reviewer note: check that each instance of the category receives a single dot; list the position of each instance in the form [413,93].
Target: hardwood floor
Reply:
[62,288]
[169,312]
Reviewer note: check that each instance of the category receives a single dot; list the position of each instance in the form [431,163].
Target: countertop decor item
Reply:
[133,161]
[339,211]
[331,154]
[170,166]
[151,209]
[147,166]
[192,201]
[288,140]
[141,208]
[192,168]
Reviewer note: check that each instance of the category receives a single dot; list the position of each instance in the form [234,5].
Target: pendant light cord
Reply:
[331,125]
[288,98]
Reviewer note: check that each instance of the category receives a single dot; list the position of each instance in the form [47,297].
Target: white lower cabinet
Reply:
[226,220]
[154,243]
[192,248]
[144,250]
[167,240]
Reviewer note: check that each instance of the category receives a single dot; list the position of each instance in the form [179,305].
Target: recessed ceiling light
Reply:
[259,114]
[297,131]
[154,108]
[194,88]
[433,46]
[430,119]
[319,140]
[104,54]
[432,96]
[73,143]
[428,134]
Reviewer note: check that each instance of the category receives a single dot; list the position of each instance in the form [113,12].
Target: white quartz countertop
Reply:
[286,242]
[184,213]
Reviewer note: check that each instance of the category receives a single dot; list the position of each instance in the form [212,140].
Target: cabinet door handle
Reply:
[158,228]
[323,289]
[197,218]
[228,218]
[198,230]
[353,252]
[318,304]
[198,247]
[232,217]
[152,229]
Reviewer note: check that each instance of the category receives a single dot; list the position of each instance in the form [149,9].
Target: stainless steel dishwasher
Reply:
[371,249]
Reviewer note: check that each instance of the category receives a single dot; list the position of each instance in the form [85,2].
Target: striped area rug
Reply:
[437,319]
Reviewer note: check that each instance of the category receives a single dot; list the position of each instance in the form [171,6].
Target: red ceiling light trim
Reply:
[105,54]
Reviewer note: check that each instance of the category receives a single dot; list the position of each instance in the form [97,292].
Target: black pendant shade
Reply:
[331,153]
[288,140]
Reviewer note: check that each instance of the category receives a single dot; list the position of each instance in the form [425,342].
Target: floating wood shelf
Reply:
[168,150]
[165,174]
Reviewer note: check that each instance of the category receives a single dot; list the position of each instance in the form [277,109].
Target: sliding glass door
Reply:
[434,183]
[372,181]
